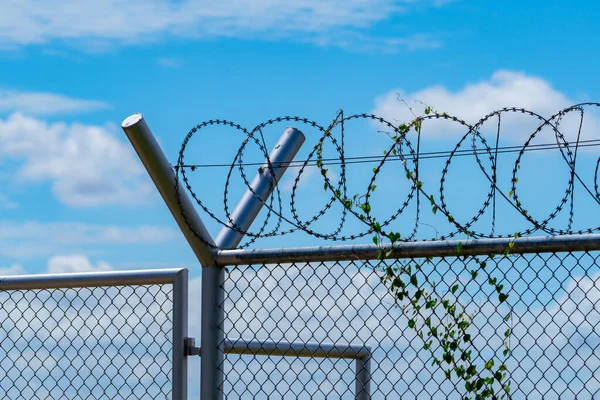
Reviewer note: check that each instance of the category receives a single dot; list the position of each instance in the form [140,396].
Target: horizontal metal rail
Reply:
[318,350]
[446,248]
[360,353]
[89,279]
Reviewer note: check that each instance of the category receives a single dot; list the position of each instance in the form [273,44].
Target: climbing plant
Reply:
[449,338]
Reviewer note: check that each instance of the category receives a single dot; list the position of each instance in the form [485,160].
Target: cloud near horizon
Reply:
[475,100]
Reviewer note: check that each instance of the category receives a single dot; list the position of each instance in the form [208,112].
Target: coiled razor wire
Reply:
[409,155]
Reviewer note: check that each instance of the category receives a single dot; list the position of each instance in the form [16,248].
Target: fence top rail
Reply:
[90,279]
[445,248]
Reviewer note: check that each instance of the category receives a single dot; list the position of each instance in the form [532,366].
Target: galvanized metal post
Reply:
[163,176]
[363,377]
[263,184]
[212,344]
[180,327]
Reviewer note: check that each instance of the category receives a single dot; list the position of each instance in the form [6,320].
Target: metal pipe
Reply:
[212,335]
[362,355]
[285,349]
[212,340]
[161,172]
[363,377]
[262,186]
[180,327]
[447,248]
[89,279]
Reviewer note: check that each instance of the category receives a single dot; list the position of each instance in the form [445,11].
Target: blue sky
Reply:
[75,195]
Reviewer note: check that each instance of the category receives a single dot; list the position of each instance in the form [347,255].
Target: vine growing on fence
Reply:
[449,338]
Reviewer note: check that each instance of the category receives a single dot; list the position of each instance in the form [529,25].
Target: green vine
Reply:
[449,339]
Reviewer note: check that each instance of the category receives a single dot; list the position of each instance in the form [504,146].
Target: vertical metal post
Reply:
[180,327]
[363,377]
[212,343]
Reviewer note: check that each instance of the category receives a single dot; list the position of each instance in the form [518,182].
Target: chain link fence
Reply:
[110,337]
[554,307]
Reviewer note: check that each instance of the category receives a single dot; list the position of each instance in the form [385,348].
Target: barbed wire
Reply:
[422,156]
[410,155]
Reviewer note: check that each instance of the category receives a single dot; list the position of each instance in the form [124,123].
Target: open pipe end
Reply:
[132,120]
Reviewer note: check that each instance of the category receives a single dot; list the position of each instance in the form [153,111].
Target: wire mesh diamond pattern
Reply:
[86,343]
[554,308]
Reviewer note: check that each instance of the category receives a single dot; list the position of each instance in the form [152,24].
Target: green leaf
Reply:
[413,280]
[459,247]
[375,240]
[394,237]
[418,294]
[502,297]
[480,383]
[454,289]
[398,282]
[489,365]
[377,227]
[411,323]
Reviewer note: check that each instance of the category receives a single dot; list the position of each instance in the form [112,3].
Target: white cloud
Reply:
[475,100]
[87,165]
[168,62]
[83,233]
[75,263]
[15,269]
[34,239]
[41,103]
[7,203]
[42,21]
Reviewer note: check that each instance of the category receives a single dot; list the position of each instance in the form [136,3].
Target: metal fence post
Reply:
[363,377]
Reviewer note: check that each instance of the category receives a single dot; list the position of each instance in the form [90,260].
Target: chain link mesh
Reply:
[86,343]
[554,303]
